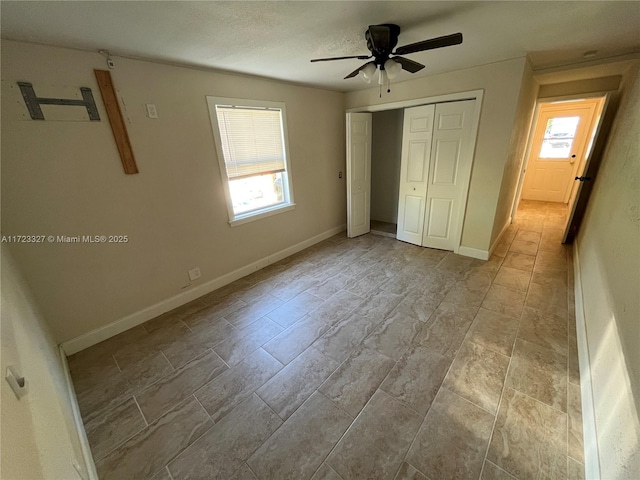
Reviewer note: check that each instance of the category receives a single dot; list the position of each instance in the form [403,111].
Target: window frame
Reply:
[287,184]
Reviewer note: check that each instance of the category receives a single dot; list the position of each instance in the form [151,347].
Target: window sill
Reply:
[267,212]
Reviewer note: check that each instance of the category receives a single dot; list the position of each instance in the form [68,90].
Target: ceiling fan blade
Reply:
[357,70]
[359,57]
[379,36]
[409,65]
[439,42]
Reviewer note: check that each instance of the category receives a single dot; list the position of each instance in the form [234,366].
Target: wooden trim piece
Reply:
[118,126]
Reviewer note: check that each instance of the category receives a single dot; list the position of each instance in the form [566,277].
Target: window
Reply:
[251,140]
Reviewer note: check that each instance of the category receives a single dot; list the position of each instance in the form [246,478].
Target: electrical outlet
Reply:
[194,274]
[152,112]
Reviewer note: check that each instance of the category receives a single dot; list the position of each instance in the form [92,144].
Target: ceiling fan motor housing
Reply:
[381,40]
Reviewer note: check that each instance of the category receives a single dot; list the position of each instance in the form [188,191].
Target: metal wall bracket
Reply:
[33,102]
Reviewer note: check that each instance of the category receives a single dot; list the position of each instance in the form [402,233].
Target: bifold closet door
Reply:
[414,172]
[358,173]
[449,174]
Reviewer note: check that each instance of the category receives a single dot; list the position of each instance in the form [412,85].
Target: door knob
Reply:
[582,179]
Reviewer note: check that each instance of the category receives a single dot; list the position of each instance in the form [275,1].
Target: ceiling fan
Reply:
[381,40]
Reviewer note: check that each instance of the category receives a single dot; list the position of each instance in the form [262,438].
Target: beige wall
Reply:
[517,151]
[501,83]
[38,437]
[609,259]
[386,153]
[66,178]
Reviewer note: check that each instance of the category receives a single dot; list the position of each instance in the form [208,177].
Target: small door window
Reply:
[558,137]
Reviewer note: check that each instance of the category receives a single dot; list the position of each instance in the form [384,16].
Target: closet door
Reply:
[449,174]
[358,173]
[414,172]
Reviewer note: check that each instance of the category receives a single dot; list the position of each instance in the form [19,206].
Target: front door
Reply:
[558,146]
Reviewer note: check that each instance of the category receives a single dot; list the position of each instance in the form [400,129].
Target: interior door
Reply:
[558,146]
[414,172]
[358,173]
[449,174]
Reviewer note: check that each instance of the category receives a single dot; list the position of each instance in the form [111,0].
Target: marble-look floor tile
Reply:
[295,340]
[574,366]
[495,331]
[492,265]
[462,295]
[153,342]
[243,342]
[453,439]
[551,260]
[529,438]
[528,236]
[290,387]
[419,305]
[341,340]
[513,278]
[478,374]
[478,278]
[325,472]
[575,470]
[519,261]
[490,471]
[293,310]
[297,449]
[574,413]
[162,475]
[521,246]
[255,309]
[446,328]
[409,472]
[175,387]
[394,336]
[540,373]
[108,431]
[547,299]
[544,329]
[351,386]
[228,390]
[336,308]
[244,473]
[379,305]
[377,441]
[371,281]
[504,300]
[120,385]
[224,448]
[455,264]
[293,288]
[330,286]
[212,314]
[416,378]
[191,346]
[147,452]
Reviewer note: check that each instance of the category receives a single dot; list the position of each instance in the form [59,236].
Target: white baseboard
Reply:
[473,252]
[499,237]
[590,438]
[99,334]
[90,466]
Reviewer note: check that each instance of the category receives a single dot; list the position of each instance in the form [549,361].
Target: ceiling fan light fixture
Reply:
[382,77]
[368,72]
[392,68]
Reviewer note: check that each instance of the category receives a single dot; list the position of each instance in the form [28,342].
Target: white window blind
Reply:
[252,140]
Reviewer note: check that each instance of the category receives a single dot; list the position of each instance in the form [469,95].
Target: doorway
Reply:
[559,150]
[442,208]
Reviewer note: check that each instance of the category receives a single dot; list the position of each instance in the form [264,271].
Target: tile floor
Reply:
[362,358]
[385,228]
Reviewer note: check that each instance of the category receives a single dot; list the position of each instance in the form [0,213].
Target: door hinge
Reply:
[583,179]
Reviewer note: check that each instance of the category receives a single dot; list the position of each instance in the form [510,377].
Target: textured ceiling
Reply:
[277,39]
